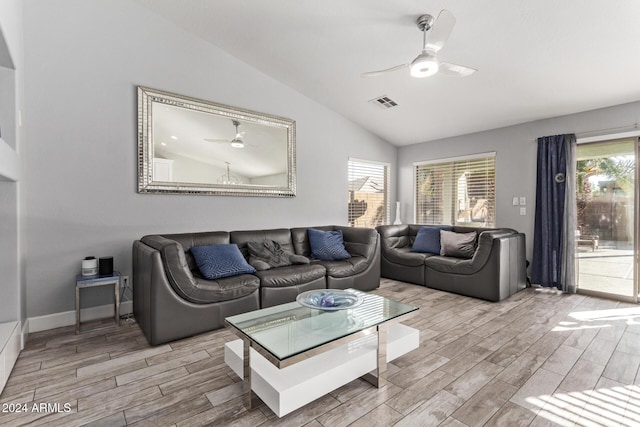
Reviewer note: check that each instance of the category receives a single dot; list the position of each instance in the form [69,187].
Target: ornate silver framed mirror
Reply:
[191,146]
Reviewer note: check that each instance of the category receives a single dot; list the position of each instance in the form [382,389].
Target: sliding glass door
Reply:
[606,217]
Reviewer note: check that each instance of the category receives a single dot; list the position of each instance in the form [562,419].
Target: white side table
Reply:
[83,282]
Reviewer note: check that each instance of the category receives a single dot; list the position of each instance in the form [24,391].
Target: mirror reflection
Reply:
[195,146]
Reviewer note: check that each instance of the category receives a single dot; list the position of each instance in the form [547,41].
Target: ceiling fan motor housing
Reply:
[425,22]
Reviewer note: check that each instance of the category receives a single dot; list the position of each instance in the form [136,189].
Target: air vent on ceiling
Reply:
[384,102]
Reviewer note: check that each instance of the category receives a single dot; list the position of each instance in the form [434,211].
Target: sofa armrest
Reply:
[486,240]
[175,263]
[164,315]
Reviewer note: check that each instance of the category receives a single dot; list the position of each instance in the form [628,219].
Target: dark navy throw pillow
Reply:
[327,245]
[218,261]
[428,239]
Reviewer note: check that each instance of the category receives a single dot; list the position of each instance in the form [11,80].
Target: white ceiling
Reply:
[536,59]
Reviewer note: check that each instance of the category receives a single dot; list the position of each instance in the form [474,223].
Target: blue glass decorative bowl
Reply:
[329,299]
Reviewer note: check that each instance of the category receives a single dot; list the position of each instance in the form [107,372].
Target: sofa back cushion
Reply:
[280,235]
[467,229]
[189,284]
[358,241]
[270,254]
[404,235]
[327,245]
[394,236]
[189,240]
[300,239]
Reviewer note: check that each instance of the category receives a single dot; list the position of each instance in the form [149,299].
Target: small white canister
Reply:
[89,266]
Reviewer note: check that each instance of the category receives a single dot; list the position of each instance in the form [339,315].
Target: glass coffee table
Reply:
[290,355]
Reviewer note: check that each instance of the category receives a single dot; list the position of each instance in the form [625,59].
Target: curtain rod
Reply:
[581,134]
[633,126]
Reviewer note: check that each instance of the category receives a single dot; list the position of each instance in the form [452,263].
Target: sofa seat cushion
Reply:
[226,289]
[345,268]
[404,256]
[291,275]
[445,264]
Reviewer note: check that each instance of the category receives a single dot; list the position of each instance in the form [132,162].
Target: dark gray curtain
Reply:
[555,223]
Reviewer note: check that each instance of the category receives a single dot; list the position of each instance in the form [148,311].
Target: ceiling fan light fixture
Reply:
[424,65]
[237,143]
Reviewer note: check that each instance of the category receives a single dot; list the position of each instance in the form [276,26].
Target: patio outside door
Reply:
[607,219]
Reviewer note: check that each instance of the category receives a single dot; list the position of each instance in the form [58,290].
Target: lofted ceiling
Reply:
[536,58]
[188,133]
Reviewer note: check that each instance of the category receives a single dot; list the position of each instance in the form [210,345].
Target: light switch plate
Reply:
[523,201]
[523,211]
[515,201]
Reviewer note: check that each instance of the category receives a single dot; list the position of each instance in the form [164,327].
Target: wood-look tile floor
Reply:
[537,359]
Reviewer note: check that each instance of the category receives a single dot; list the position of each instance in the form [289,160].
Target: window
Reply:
[460,191]
[368,202]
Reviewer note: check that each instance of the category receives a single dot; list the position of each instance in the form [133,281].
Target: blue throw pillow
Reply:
[327,245]
[428,239]
[218,261]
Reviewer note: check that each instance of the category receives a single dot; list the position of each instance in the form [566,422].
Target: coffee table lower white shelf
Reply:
[290,355]
[285,390]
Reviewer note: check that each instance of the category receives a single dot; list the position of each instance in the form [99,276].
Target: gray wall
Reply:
[515,159]
[12,284]
[81,70]
[83,62]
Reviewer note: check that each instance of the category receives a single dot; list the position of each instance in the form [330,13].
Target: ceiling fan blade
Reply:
[454,69]
[217,140]
[439,33]
[388,70]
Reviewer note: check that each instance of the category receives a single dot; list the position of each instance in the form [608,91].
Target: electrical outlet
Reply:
[125,281]
[523,211]
[523,201]
[515,201]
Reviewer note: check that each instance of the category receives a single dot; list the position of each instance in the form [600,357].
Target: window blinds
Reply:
[456,192]
[368,198]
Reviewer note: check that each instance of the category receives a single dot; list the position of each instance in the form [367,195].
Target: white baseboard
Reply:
[67,318]
[24,333]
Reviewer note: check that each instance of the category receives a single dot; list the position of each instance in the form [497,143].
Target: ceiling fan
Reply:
[236,142]
[427,64]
